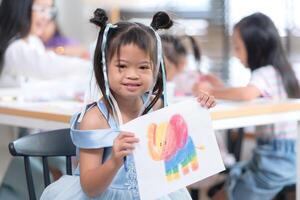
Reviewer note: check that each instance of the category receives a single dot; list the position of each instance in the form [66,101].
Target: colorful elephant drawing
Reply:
[170,142]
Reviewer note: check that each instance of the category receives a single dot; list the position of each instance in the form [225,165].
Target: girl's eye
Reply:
[121,66]
[144,67]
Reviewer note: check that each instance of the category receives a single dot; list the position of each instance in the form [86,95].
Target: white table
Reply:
[56,114]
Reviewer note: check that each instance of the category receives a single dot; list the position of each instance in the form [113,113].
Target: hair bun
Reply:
[100,18]
[161,20]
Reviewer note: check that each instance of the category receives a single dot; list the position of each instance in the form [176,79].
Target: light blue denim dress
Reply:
[124,185]
[272,167]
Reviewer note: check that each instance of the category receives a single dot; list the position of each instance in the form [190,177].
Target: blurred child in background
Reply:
[54,40]
[273,165]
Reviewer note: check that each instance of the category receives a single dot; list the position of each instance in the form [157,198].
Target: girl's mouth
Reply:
[132,86]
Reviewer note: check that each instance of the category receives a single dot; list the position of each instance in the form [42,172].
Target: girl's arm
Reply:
[95,177]
[215,81]
[235,93]
[203,98]
[32,60]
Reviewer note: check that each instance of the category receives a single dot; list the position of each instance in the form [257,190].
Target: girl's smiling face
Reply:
[130,73]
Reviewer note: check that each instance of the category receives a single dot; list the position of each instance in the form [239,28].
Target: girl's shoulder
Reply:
[93,130]
[265,71]
[93,119]
[16,46]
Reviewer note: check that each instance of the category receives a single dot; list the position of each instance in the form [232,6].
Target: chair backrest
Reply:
[43,144]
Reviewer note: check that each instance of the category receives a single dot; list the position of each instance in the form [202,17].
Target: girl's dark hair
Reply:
[129,33]
[264,47]
[15,20]
[173,48]
[196,49]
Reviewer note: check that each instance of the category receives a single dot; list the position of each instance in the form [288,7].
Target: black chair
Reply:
[287,193]
[44,145]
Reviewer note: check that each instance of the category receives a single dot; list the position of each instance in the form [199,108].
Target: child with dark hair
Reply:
[22,53]
[129,71]
[175,55]
[273,165]
[176,62]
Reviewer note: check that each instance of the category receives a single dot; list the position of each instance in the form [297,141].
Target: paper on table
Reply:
[177,148]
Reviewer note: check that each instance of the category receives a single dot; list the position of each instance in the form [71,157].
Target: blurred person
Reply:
[184,77]
[175,55]
[23,56]
[53,39]
[257,44]
[22,53]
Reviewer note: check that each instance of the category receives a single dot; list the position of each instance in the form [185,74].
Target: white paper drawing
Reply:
[177,147]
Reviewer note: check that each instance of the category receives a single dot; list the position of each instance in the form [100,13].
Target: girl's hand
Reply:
[123,146]
[206,100]
[201,87]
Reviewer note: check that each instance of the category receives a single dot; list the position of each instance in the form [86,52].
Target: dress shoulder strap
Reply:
[93,139]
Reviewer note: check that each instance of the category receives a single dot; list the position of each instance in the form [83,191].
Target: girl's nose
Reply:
[132,74]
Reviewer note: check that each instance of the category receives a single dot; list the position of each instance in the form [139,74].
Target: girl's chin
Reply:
[38,30]
[37,33]
[130,95]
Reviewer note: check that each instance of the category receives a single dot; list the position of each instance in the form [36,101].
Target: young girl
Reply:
[175,55]
[129,70]
[176,60]
[257,44]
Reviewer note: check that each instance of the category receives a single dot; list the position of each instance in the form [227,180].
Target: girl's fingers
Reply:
[203,99]
[125,134]
[202,95]
[121,146]
[130,140]
[125,152]
[206,100]
[210,102]
[213,104]
[126,137]
[125,146]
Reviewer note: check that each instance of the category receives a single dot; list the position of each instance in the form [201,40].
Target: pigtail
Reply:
[100,18]
[195,48]
[196,51]
[161,20]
